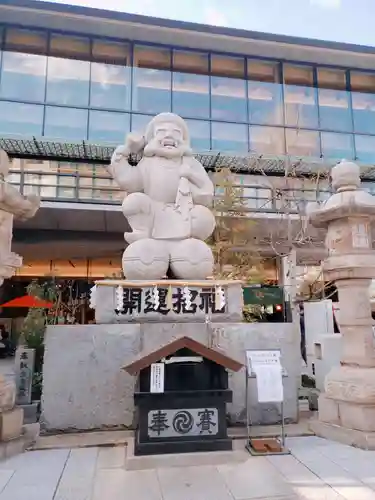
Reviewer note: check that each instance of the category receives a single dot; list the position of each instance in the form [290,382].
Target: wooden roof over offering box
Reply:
[183,343]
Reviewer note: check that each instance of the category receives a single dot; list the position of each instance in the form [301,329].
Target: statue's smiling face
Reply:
[169,135]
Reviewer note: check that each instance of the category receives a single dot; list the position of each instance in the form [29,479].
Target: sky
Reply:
[350,21]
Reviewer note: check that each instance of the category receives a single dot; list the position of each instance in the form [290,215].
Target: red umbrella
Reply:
[29,302]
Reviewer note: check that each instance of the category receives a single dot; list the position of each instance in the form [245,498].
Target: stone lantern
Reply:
[347,408]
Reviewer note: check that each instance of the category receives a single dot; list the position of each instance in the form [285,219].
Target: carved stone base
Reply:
[351,437]
[7,394]
[350,423]
[11,424]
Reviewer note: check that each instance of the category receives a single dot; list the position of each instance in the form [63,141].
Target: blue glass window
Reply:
[265,93]
[302,143]
[337,146]
[65,123]
[365,148]
[199,135]
[68,81]
[110,86]
[190,84]
[363,101]
[105,126]
[267,140]
[21,119]
[229,137]
[151,80]
[334,101]
[23,76]
[228,89]
[300,97]
[140,122]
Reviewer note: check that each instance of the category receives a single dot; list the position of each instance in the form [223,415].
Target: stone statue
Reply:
[169,195]
[12,204]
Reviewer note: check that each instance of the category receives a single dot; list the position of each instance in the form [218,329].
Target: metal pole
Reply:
[282,425]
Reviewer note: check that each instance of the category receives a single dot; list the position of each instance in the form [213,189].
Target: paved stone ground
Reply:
[316,470]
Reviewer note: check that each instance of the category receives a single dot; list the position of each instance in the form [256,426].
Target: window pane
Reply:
[339,146]
[23,76]
[302,143]
[365,148]
[265,93]
[228,93]
[140,122]
[190,96]
[334,107]
[363,101]
[110,86]
[301,108]
[108,127]
[199,135]
[68,81]
[267,140]
[229,137]
[21,119]
[65,123]
[151,80]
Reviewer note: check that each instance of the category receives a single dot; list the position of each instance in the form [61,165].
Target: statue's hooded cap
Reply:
[167,117]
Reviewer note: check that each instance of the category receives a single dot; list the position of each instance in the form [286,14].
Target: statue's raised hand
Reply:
[134,144]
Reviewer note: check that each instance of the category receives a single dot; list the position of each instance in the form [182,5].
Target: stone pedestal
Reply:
[347,408]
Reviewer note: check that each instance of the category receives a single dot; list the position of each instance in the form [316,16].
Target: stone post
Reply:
[347,408]
[12,204]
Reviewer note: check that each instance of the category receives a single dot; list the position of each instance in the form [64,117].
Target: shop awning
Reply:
[29,302]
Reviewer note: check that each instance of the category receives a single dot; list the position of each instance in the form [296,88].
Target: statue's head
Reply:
[167,135]
[4,164]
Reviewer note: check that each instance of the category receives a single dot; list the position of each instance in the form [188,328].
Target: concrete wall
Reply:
[85,388]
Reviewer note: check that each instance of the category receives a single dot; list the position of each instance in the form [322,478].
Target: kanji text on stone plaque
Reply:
[141,301]
[183,422]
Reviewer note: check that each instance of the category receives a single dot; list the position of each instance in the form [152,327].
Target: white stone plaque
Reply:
[157,377]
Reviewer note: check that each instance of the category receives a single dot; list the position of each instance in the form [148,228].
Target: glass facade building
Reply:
[71,88]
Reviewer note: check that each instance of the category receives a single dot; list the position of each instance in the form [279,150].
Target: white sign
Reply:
[266,367]
[255,358]
[157,377]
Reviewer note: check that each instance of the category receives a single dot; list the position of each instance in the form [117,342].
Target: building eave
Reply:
[99,22]
[250,163]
